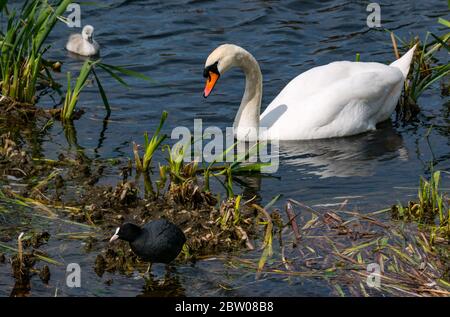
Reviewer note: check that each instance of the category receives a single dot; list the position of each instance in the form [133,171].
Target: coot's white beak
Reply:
[115,236]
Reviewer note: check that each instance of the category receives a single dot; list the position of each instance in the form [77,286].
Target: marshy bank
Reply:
[67,185]
[334,245]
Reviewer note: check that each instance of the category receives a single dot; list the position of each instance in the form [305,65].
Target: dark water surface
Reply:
[170,40]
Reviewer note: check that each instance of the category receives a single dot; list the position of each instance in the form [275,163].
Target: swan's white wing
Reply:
[341,98]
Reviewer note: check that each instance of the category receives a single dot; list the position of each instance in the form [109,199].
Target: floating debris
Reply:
[44,274]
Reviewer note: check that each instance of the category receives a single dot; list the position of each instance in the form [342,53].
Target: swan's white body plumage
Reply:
[334,100]
[338,99]
[83,44]
[80,46]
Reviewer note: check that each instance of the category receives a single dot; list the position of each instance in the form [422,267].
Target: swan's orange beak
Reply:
[210,83]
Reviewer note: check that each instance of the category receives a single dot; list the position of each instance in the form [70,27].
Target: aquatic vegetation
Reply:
[178,171]
[16,162]
[23,68]
[432,206]
[150,146]
[183,176]
[425,69]
[339,246]
[267,241]
[117,73]
[72,96]
[22,48]
[23,262]
[184,203]
[430,197]
[240,165]
[229,212]
[333,246]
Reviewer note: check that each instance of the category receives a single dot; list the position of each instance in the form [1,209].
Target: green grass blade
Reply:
[102,93]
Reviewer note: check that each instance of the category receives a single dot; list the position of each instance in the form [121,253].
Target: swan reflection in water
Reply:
[345,157]
[356,156]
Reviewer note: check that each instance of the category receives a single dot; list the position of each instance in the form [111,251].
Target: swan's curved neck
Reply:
[248,114]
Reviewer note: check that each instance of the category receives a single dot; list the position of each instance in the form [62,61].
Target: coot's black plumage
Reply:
[158,241]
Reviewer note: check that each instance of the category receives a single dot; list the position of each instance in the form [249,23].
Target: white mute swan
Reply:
[84,43]
[338,99]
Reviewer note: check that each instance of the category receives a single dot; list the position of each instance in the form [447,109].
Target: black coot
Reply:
[159,241]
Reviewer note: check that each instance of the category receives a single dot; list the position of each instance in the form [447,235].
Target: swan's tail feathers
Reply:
[404,62]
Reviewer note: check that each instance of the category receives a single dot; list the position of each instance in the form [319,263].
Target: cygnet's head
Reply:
[88,33]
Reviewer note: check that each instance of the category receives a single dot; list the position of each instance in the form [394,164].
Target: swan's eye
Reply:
[206,73]
[211,68]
